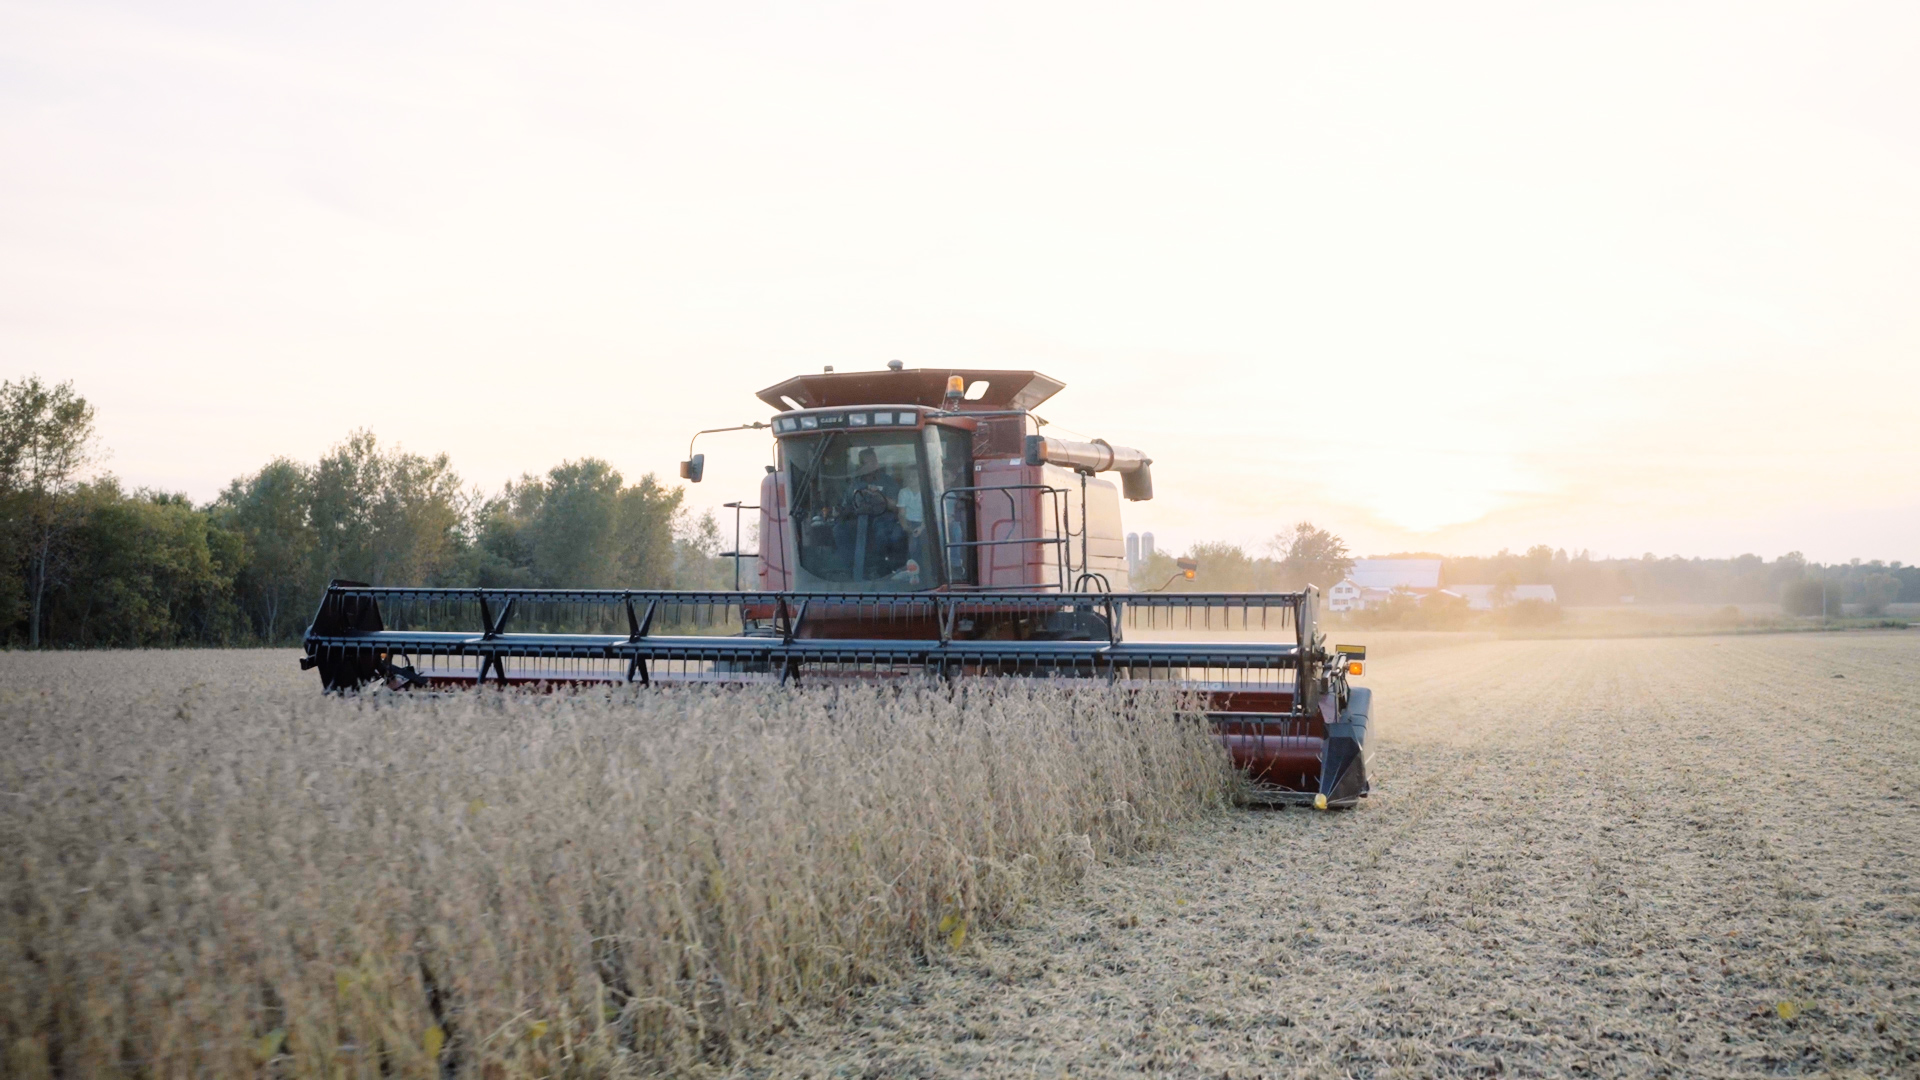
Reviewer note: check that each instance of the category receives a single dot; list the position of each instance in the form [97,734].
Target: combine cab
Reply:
[915,524]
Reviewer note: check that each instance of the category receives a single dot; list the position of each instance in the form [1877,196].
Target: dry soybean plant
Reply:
[239,876]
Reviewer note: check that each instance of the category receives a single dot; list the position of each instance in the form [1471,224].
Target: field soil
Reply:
[1657,857]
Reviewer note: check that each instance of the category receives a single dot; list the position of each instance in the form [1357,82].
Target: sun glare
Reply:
[1426,496]
[1419,509]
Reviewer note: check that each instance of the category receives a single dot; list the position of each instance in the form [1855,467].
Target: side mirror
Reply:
[692,469]
[1189,567]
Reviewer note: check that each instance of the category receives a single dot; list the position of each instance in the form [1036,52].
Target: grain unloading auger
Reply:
[914,524]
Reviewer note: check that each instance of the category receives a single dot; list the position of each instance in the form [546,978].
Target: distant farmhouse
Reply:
[1374,581]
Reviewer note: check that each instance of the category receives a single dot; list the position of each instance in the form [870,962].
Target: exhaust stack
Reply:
[1136,476]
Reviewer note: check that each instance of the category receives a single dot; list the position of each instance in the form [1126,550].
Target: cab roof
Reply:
[913,386]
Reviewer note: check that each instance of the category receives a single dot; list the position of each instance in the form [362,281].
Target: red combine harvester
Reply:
[913,523]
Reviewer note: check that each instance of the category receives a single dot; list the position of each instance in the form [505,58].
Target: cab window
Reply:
[860,509]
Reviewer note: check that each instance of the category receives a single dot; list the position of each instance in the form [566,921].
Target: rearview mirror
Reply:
[692,468]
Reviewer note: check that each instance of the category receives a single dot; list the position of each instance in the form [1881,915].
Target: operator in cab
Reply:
[880,519]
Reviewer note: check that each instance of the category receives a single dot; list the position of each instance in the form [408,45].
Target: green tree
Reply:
[501,556]
[1442,611]
[1536,566]
[386,517]
[1224,567]
[150,569]
[1877,591]
[1810,596]
[696,556]
[580,526]
[650,517]
[573,536]
[270,512]
[46,441]
[1310,556]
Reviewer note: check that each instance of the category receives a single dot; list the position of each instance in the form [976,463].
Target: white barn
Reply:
[1373,581]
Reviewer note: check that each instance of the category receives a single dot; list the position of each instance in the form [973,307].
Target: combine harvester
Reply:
[914,523]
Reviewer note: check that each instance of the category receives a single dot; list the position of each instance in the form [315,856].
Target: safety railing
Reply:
[1055,507]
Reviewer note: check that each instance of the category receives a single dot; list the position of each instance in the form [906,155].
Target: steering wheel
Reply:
[868,502]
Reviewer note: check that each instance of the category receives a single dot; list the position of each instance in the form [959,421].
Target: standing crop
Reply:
[212,878]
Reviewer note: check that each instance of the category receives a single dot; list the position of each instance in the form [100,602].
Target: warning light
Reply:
[1356,667]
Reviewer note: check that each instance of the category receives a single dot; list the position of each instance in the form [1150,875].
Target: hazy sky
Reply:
[1457,276]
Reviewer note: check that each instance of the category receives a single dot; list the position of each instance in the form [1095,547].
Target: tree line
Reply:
[1308,554]
[1293,559]
[1791,580]
[84,561]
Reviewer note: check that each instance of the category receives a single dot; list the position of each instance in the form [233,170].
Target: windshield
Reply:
[860,512]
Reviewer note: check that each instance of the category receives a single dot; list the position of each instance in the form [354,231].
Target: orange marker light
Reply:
[1356,667]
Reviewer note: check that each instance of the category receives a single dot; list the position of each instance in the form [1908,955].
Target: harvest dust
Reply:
[1686,857]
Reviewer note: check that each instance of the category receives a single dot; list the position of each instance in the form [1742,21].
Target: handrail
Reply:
[1055,495]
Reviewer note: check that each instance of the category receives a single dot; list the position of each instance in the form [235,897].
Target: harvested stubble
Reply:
[205,877]
[1662,857]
